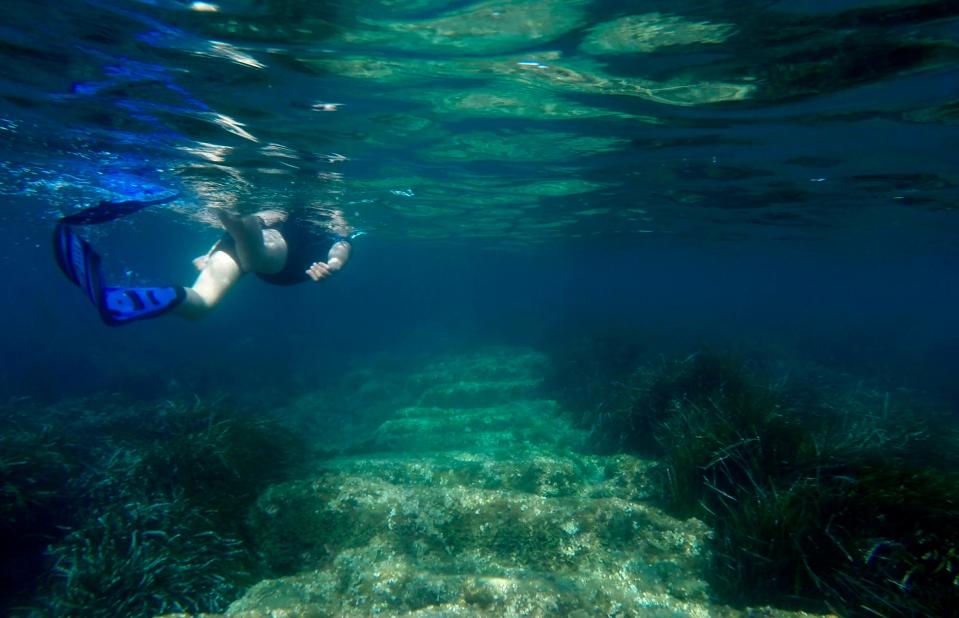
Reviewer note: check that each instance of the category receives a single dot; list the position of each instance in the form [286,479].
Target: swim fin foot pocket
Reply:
[116,305]
[122,305]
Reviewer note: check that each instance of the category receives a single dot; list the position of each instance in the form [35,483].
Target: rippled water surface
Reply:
[513,122]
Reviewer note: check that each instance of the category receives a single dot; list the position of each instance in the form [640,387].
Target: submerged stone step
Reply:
[429,441]
[364,546]
[493,364]
[515,414]
[517,424]
[457,419]
[305,524]
[367,582]
[537,471]
[519,409]
[478,393]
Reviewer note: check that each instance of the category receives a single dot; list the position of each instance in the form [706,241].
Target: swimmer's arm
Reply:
[339,255]
[336,259]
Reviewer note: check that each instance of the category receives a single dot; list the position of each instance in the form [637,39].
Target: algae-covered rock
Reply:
[380,547]
[535,520]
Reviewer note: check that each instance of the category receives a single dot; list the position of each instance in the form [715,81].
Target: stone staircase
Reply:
[474,500]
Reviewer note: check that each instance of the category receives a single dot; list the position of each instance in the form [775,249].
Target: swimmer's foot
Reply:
[230,220]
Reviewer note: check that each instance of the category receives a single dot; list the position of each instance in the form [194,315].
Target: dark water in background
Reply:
[790,183]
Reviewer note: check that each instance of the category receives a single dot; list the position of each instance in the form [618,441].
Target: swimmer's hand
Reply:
[320,271]
[201,262]
[338,256]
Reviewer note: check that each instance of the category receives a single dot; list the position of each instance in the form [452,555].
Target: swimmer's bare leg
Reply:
[218,275]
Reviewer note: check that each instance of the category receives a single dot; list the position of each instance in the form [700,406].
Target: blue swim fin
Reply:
[78,261]
[81,264]
[123,305]
[108,210]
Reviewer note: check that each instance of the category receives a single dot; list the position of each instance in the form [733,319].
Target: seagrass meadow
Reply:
[457,485]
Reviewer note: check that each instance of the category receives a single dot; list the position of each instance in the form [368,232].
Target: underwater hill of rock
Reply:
[475,498]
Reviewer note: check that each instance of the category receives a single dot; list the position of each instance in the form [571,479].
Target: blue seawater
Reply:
[578,218]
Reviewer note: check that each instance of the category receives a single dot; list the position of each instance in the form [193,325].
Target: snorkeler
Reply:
[278,248]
